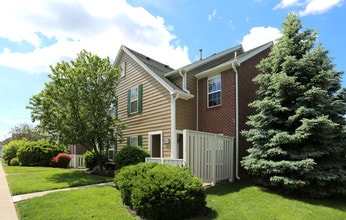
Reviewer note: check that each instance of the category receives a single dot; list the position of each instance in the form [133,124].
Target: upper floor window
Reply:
[134,100]
[122,67]
[214,91]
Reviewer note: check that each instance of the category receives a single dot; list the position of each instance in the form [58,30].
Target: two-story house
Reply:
[211,95]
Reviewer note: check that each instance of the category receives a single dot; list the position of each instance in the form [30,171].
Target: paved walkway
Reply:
[7,208]
[22,197]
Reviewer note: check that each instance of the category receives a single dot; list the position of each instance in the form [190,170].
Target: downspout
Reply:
[174,152]
[236,122]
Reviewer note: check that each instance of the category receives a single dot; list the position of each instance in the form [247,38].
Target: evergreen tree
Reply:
[298,134]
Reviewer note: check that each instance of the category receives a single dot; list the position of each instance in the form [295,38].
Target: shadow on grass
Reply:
[227,188]
[220,189]
[337,202]
[77,178]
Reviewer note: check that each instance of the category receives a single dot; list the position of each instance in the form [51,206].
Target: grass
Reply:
[89,203]
[34,179]
[245,201]
[227,201]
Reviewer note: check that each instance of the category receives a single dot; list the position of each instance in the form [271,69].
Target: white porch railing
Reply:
[174,162]
[77,161]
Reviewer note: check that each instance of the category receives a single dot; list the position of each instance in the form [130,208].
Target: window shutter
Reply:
[128,141]
[139,140]
[140,91]
[129,102]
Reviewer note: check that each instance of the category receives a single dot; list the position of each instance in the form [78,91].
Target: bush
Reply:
[62,160]
[90,159]
[10,149]
[14,162]
[38,153]
[161,191]
[130,155]
[124,179]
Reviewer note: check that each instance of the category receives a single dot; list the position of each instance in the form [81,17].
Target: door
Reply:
[155,144]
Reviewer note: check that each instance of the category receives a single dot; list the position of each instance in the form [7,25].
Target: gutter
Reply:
[236,121]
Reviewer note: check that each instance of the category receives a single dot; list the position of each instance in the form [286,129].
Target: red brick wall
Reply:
[219,119]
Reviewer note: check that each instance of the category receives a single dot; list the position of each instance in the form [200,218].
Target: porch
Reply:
[208,156]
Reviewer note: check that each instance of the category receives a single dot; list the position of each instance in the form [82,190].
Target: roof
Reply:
[235,60]
[211,61]
[161,72]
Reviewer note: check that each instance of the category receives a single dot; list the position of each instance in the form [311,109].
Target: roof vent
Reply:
[200,54]
[148,58]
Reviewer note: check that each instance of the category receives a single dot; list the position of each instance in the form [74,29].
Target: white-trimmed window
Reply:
[214,91]
[123,68]
[134,100]
[134,140]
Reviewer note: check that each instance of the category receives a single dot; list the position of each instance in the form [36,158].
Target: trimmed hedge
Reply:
[10,149]
[14,161]
[130,155]
[62,160]
[161,191]
[38,153]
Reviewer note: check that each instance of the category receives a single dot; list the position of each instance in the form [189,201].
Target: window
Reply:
[134,141]
[134,100]
[122,67]
[214,91]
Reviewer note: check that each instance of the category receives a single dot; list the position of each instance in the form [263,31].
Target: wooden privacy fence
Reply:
[209,156]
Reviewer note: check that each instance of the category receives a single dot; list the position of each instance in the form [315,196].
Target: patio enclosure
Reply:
[208,156]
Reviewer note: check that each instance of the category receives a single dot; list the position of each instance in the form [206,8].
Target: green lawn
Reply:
[227,201]
[34,179]
[89,203]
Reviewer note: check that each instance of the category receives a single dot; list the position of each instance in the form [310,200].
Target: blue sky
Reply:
[36,34]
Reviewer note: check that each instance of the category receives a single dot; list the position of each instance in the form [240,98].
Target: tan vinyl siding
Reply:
[186,109]
[155,115]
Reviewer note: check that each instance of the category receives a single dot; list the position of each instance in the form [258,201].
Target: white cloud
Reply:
[312,7]
[315,7]
[259,36]
[286,4]
[212,15]
[97,26]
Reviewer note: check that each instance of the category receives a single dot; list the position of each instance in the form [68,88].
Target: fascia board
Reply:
[215,70]
[256,51]
[146,68]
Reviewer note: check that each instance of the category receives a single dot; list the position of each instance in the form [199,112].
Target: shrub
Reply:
[14,161]
[161,191]
[38,153]
[130,155]
[10,149]
[62,160]
[124,179]
[90,159]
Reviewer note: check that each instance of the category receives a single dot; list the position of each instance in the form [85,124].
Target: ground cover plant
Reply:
[23,179]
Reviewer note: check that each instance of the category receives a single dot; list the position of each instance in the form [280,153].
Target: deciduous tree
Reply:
[74,107]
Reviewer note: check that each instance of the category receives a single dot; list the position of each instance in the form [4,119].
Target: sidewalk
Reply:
[22,197]
[7,209]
